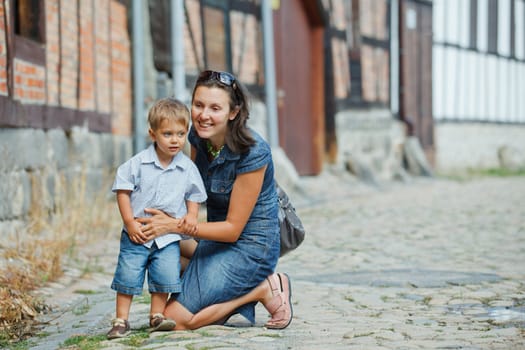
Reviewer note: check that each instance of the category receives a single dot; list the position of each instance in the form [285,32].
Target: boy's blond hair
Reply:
[170,109]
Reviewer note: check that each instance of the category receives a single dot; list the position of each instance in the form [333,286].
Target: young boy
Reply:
[164,178]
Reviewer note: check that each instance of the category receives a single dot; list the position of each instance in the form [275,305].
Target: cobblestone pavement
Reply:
[429,264]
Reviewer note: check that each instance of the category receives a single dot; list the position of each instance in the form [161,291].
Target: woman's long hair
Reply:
[238,137]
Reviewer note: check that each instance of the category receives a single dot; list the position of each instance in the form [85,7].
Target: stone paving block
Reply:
[410,266]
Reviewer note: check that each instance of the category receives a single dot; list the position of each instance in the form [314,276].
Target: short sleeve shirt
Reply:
[220,174]
[166,189]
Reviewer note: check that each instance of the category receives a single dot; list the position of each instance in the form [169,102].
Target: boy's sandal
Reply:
[159,323]
[280,307]
[119,329]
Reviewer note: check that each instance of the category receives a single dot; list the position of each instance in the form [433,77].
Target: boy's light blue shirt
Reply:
[166,189]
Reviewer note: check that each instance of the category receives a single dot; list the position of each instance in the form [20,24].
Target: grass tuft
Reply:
[470,173]
[34,254]
[84,342]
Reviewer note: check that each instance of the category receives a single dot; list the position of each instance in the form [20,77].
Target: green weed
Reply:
[136,339]
[84,342]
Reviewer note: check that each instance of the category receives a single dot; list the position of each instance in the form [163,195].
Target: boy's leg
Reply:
[158,303]
[128,280]
[120,326]
[163,278]
[123,305]
[157,321]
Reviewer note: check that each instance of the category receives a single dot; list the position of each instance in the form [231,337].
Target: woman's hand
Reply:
[158,224]
[188,225]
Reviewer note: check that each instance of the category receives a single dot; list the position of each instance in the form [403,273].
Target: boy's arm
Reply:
[193,209]
[126,212]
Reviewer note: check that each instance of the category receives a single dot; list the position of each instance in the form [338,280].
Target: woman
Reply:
[232,266]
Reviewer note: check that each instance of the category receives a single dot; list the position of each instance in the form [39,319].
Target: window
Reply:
[29,31]
[215,38]
[210,43]
[27,14]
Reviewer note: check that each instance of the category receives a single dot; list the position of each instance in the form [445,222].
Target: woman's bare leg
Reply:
[187,248]
[213,313]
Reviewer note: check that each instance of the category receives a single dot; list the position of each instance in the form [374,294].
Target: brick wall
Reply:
[103,56]
[85,67]
[193,54]
[71,95]
[245,47]
[3,53]
[374,60]
[86,96]
[69,54]
[366,39]
[120,69]
[52,52]
[375,74]
[245,40]
[29,82]
[373,18]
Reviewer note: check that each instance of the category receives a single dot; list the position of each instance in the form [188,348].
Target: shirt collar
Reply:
[150,156]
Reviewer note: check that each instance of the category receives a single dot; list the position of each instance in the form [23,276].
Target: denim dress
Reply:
[218,271]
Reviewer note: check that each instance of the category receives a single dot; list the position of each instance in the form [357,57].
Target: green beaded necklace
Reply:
[211,151]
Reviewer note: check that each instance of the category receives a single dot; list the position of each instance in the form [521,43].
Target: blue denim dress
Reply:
[220,272]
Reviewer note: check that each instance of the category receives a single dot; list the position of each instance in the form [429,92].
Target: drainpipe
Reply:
[139,122]
[394,57]
[269,70]
[177,50]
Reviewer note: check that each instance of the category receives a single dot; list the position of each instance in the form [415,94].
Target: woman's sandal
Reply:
[280,307]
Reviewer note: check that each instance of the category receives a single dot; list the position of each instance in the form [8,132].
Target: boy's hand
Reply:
[135,233]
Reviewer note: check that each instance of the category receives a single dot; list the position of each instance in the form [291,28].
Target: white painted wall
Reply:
[472,84]
[504,27]
[483,15]
[519,19]
[478,98]
[463,146]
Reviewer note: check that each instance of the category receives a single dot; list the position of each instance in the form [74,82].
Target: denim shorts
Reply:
[162,265]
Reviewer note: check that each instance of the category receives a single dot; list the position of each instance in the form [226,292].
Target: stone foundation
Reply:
[464,146]
[370,143]
[40,168]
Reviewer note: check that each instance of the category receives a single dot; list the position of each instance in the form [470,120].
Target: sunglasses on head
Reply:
[222,77]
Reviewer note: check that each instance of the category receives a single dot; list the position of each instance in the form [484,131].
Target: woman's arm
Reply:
[246,190]
[158,224]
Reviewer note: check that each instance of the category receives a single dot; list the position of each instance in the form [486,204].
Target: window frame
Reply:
[23,47]
[225,8]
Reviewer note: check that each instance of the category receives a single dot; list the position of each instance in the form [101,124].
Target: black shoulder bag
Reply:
[292,230]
